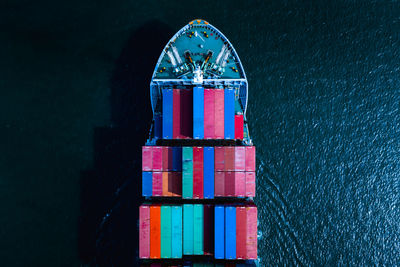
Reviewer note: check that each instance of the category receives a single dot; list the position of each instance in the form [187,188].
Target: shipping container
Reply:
[240,184]
[251,240]
[250,158]
[167,106]
[229,114]
[208,227]
[157,184]
[241,230]
[198,166]
[219,232]
[188,229]
[250,184]
[208,175]
[187,172]
[158,126]
[229,158]
[176,215]
[230,232]
[157,158]
[166,179]
[177,113]
[187,113]
[209,120]
[198,112]
[147,159]
[177,158]
[167,158]
[198,223]
[219,114]
[219,155]
[166,234]
[239,126]
[219,184]
[147,184]
[155,232]
[144,232]
[240,158]
[229,184]
[175,184]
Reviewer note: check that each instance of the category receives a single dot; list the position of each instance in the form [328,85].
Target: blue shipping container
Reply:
[177,158]
[219,233]
[167,100]
[208,174]
[158,126]
[176,232]
[198,112]
[230,232]
[229,114]
[147,184]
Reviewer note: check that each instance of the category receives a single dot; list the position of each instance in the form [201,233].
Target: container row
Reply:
[197,264]
[220,158]
[201,114]
[224,232]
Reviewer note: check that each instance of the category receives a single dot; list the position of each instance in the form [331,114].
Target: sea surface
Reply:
[323,111]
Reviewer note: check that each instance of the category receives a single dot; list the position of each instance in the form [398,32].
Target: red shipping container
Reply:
[219,158]
[198,162]
[176,114]
[209,119]
[147,158]
[239,127]
[186,105]
[250,184]
[166,158]
[219,184]
[144,232]
[208,229]
[229,158]
[241,230]
[251,239]
[157,158]
[240,184]
[250,158]
[219,113]
[229,184]
[155,232]
[240,158]
[175,184]
[157,184]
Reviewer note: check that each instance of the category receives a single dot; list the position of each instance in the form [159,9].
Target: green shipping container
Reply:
[188,229]
[176,231]
[187,172]
[198,218]
[166,232]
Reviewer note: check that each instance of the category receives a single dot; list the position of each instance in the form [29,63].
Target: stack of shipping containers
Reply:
[207,213]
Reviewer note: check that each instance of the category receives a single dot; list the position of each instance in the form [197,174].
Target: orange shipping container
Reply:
[155,232]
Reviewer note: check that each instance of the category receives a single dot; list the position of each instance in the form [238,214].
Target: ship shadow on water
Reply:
[110,191]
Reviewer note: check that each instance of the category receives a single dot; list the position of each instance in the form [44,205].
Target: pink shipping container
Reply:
[219,158]
[219,113]
[147,158]
[240,184]
[251,239]
[144,232]
[229,158]
[219,184]
[240,158]
[229,184]
[166,158]
[250,184]
[157,184]
[241,230]
[176,114]
[209,119]
[239,127]
[250,158]
[157,158]
[198,178]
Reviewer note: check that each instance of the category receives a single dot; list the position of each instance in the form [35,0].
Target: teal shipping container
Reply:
[198,231]
[166,228]
[187,172]
[176,216]
[187,229]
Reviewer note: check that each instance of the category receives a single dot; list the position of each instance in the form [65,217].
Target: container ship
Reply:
[198,164]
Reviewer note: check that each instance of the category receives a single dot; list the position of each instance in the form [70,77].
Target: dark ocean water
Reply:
[324,99]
